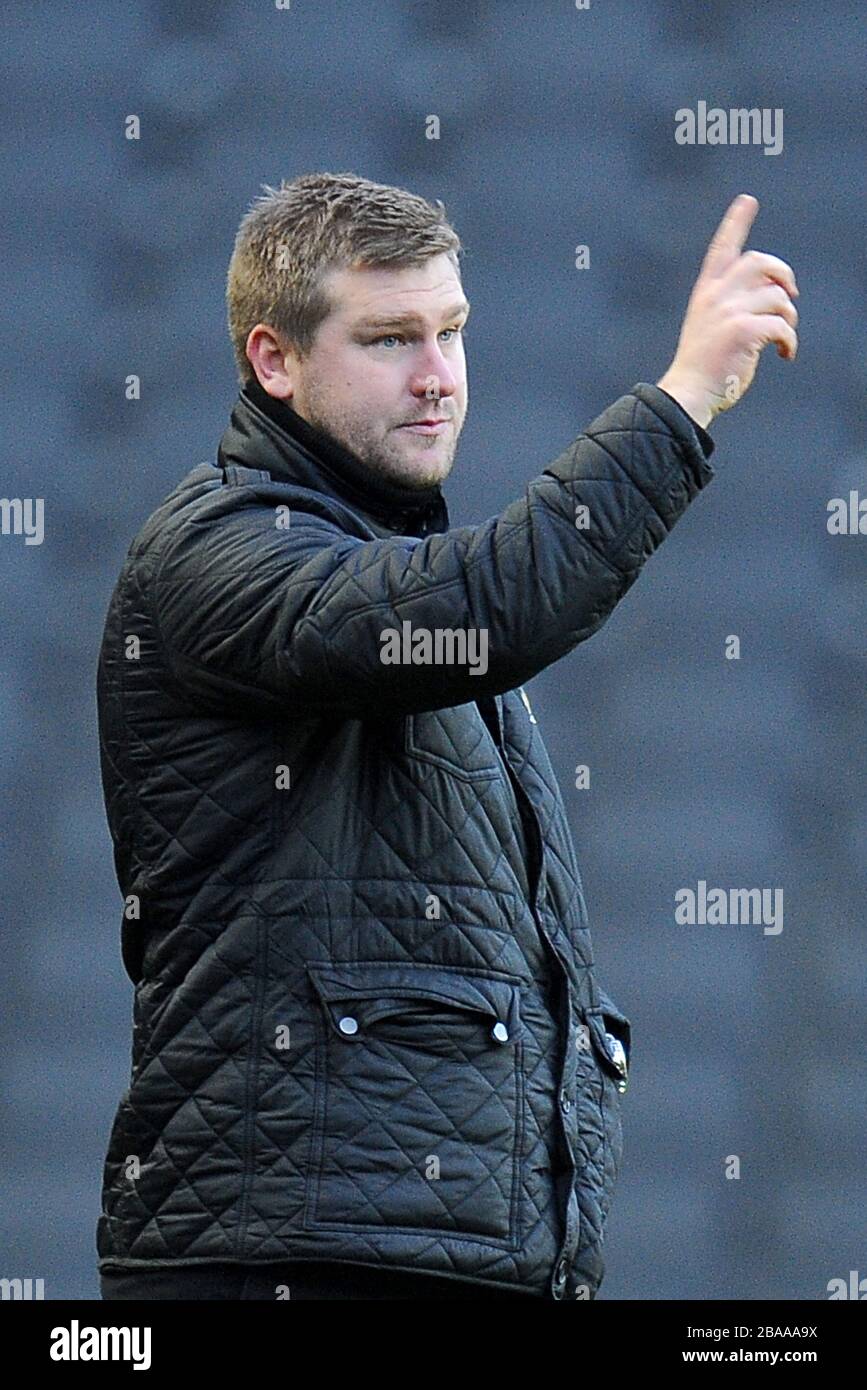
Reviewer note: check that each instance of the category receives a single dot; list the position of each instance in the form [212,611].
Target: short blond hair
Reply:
[293,234]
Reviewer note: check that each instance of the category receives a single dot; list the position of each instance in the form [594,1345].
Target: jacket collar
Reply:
[266,433]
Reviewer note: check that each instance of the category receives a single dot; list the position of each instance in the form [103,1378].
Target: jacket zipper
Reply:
[561,974]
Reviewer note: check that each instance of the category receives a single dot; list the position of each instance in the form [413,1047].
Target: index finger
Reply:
[728,240]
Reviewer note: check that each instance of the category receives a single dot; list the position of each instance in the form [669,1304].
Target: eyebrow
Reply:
[411,320]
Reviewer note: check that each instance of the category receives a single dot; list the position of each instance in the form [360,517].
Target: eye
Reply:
[399,338]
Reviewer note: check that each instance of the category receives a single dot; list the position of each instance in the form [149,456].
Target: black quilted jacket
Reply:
[366,1022]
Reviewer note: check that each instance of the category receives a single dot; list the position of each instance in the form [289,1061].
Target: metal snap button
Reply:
[561,1271]
[348,1025]
[500,1032]
[565,1103]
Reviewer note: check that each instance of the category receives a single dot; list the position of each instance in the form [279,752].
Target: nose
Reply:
[433,376]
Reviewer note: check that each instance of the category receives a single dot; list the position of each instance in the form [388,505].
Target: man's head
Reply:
[345,301]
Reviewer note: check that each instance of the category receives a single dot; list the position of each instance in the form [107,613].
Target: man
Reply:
[371,1057]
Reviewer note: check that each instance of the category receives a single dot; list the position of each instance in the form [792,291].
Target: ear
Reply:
[273,360]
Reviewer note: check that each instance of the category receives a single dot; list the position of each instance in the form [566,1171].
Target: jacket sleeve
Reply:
[252,616]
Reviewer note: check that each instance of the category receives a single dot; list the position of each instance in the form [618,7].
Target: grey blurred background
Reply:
[557,129]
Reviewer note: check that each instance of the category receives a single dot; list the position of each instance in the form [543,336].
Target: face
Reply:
[389,356]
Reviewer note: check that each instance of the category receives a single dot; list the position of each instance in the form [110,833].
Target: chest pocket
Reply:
[419,1115]
[456,740]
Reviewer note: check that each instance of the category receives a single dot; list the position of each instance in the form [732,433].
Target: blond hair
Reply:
[293,234]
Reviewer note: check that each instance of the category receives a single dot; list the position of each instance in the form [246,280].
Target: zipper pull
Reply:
[523,694]
[617,1053]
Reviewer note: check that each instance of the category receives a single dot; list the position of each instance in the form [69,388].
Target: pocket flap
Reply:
[375,990]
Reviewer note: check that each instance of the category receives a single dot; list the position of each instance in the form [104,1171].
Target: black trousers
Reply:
[303,1279]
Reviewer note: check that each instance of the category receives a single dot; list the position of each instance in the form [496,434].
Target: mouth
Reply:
[425,426]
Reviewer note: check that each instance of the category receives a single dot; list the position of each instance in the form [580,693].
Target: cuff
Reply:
[708,445]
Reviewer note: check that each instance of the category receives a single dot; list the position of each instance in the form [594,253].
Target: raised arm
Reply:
[254,615]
